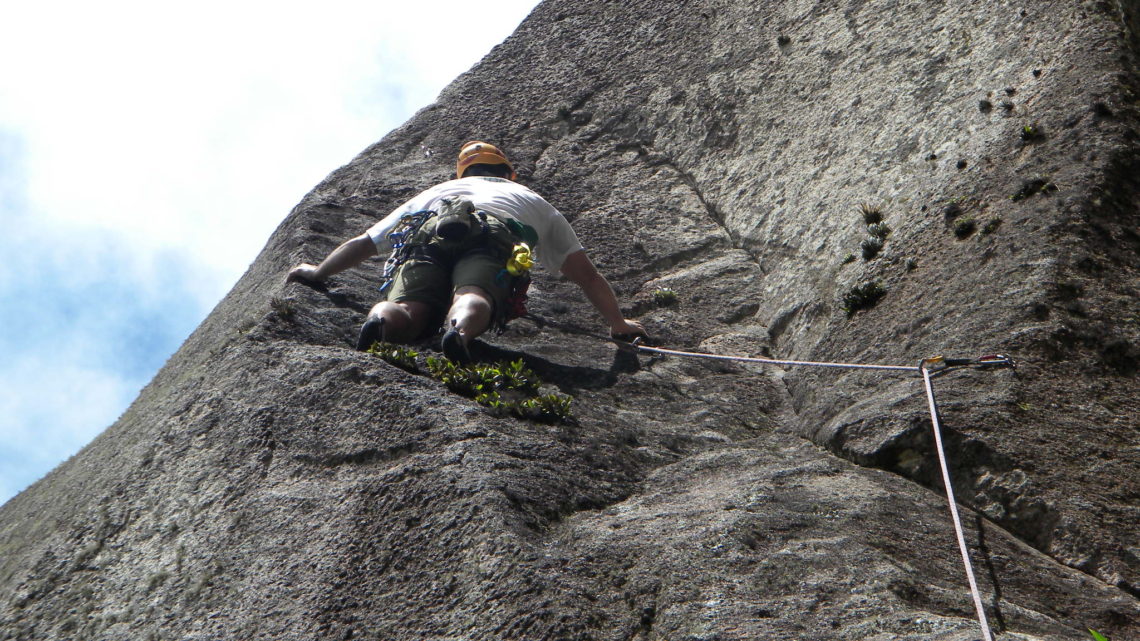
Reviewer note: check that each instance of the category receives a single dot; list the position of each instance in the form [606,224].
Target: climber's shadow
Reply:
[566,377]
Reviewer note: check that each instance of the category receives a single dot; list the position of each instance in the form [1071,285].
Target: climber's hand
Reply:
[627,330]
[304,272]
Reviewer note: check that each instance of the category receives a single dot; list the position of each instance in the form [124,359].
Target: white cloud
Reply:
[147,150]
[48,413]
[200,125]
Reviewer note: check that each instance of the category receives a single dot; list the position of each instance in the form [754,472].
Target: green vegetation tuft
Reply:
[872,214]
[849,258]
[283,307]
[864,296]
[871,247]
[879,230]
[1096,635]
[545,408]
[483,378]
[506,388]
[663,297]
[1032,133]
[991,226]
[399,355]
[1033,187]
[963,227]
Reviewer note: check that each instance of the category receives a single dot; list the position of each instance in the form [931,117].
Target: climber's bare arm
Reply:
[579,269]
[350,254]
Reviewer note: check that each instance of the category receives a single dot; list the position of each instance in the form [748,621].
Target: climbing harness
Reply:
[400,237]
[515,275]
[929,368]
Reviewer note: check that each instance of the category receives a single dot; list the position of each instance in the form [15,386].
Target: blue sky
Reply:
[148,150]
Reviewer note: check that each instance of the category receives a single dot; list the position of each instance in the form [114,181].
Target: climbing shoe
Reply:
[454,348]
[370,332]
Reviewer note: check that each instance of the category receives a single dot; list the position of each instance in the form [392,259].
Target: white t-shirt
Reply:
[501,198]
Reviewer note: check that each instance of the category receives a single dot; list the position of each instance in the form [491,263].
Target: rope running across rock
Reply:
[928,367]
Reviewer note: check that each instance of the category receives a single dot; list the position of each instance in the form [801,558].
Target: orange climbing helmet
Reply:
[481,153]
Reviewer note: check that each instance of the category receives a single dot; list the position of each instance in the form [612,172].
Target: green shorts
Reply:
[437,267]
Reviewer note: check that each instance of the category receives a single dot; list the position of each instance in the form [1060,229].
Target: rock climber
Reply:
[459,253]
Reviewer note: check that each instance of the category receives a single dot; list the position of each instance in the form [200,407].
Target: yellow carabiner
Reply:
[521,260]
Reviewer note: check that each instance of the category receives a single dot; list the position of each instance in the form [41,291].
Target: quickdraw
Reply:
[516,276]
[939,362]
[399,237]
[521,260]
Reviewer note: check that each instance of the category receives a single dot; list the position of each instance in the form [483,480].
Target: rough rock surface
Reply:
[271,483]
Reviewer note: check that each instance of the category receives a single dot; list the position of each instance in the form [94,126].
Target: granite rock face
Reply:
[273,483]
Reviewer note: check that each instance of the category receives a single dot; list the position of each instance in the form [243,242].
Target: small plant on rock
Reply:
[515,375]
[399,355]
[1032,133]
[849,258]
[871,213]
[467,381]
[879,230]
[507,388]
[1033,187]
[663,297]
[1097,636]
[863,296]
[871,247]
[548,408]
[963,227]
[494,402]
[991,226]
[283,307]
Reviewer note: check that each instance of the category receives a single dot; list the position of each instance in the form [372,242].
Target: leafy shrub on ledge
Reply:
[399,355]
[547,408]
[482,378]
[506,388]
[664,297]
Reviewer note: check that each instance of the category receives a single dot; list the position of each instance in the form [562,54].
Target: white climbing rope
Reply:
[954,506]
[924,369]
[772,361]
